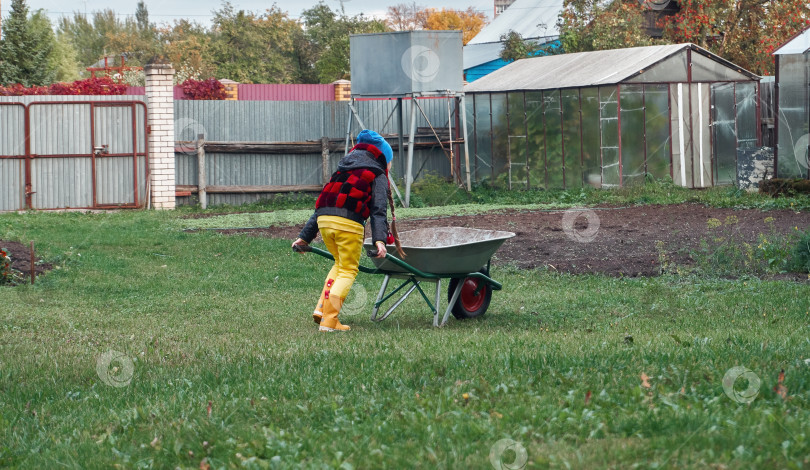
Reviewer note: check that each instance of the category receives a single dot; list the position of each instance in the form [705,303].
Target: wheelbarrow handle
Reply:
[373,253]
[301,248]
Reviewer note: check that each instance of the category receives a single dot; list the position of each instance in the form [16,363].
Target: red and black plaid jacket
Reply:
[357,191]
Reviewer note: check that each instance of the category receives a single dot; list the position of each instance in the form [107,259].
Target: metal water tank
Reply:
[406,62]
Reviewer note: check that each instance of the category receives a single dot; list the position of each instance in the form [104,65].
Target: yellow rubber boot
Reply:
[331,308]
[317,314]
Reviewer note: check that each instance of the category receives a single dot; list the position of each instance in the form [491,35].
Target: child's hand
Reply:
[299,242]
[381,251]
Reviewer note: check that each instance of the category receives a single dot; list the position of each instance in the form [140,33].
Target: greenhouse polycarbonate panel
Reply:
[500,158]
[536,139]
[12,187]
[554,156]
[681,130]
[701,147]
[572,141]
[746,97]
[591,155]
[724,129]
[631,100]
[672,69]
[791,153]
[518,176]
[469,138]
[705,69]
[656,104]
[609,129]
[482,150]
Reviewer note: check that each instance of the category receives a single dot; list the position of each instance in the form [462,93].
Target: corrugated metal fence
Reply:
[289,121]
[72,152]
[91,151]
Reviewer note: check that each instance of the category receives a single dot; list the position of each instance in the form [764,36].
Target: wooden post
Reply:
[201,182]
[325,157]
[33,264]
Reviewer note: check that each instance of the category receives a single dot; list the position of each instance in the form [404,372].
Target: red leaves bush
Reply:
[90,86]
[211,89]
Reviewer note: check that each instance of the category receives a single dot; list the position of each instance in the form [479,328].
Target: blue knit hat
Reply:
[370,137]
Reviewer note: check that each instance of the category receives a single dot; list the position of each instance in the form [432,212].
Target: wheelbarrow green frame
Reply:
[414,278]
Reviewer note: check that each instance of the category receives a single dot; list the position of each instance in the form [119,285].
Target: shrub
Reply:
[433,190]
[784,186]
[800,260]
[89,86]
[211,89]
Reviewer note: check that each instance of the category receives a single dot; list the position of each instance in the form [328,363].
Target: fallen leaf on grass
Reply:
[587,398]
[780,388]
[645,380]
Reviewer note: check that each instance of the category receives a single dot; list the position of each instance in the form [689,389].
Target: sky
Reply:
[200,10]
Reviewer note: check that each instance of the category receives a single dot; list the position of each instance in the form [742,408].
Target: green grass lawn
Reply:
[219,360]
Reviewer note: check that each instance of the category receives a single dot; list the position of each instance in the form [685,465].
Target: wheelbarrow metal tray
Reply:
[444,250]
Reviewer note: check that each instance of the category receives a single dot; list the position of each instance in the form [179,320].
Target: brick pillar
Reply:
[160,119]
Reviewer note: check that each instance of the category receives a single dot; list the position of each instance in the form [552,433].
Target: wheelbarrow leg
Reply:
[450,305]
[438,300]
[401,299]
[379,297]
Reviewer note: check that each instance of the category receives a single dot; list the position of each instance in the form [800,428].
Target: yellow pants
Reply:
[346,248]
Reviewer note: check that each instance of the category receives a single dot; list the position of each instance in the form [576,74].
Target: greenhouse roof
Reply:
[798,45]
[533,19]
[583,69]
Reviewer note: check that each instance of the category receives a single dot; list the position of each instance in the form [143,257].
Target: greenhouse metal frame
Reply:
[611,118]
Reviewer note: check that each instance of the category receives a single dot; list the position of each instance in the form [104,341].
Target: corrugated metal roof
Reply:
[477,54]
[531,18]
[798,45]
[581,69]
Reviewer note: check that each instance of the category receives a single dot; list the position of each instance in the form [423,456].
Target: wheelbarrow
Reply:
[457,254]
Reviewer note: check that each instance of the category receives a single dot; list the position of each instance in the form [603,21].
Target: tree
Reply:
[25,48]
[187,45]
[406,17]
[328,34]
[593,25]
[91,38]
[254,48]
[516,48]
[469,21]
[745,32]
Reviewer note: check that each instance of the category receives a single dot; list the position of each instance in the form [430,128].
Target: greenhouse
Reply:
[610,118]
[792,101]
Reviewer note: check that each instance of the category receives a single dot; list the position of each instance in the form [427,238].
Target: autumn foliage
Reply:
[90,86]
[210,89]
[745,32]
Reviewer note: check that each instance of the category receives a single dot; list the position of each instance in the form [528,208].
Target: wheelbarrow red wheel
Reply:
[473,300]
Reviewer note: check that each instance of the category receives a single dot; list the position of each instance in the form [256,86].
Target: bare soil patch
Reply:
[623,245]
[20,255]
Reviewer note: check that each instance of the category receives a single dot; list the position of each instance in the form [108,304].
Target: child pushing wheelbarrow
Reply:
[356,192]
